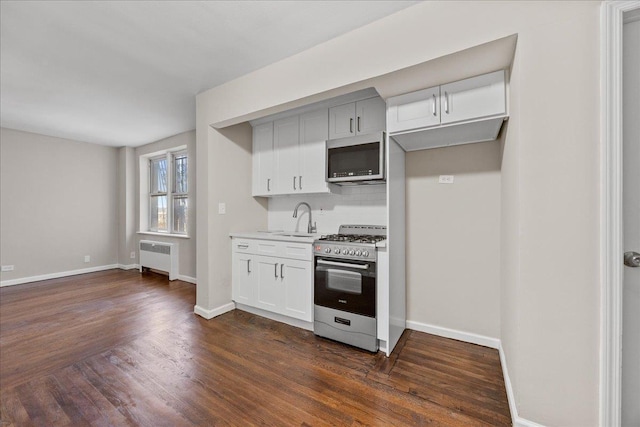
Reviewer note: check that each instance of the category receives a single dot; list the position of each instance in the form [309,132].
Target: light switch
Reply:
[222,208]
[445,179]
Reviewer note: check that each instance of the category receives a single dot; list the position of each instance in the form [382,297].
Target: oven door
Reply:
[345,285]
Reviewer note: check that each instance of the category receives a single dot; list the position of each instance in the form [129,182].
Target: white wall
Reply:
[362,204]
[187,246]
[549,198]
[58,203]
[127,241]
[453,239]
[224,176]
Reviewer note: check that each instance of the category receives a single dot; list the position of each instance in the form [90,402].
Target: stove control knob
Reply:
[351,252]
[328,250]
[336,250]
[357,253]
[365,253]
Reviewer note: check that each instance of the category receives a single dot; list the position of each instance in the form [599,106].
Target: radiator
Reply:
[159,256]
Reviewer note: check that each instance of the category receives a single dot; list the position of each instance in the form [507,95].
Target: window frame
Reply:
[174,193]
[171,194]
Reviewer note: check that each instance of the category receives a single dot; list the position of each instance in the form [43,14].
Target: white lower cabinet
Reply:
[275,282]
[243,275]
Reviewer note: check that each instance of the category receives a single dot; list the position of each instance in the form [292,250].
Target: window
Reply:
[168,193]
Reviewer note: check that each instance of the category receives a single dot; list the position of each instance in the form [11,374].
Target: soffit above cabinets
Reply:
[328,103]
[481,59]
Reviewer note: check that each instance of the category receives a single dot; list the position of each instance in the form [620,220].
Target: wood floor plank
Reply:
[120,348]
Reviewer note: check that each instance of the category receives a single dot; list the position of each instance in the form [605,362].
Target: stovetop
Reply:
[353,238]
[356,242]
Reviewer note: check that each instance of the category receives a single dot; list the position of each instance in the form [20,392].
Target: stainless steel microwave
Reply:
[357,159]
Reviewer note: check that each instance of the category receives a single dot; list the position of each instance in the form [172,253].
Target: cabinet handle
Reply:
[275,270]
[243,246]
[281,272]
[294,182]
[268,184]
[434,105]
[300,181]
[248,266]
[358,123]
[446,102]
[351,125]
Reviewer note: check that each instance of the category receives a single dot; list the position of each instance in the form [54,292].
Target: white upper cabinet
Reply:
[414,110]
[263,160]
[285,142]
[342,121]
[461,112]
[370,115]
[474,98]
[312,158]
[357,118]
[289,155]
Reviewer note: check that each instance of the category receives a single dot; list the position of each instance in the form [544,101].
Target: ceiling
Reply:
[126,73]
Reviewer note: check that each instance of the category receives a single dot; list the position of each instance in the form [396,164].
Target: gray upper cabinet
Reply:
[356,118]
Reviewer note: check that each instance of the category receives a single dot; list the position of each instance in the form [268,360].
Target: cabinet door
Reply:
[242,282]
[414,110]
[474,98]
[263,161]
[297,279]
[313,136]
[285,141]
[342,121]
[268,284]
[370,115]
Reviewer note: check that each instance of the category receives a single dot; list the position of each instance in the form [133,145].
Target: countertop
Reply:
[283,236]
[287,236]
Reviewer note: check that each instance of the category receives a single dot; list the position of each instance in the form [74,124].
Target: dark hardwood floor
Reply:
[118,348]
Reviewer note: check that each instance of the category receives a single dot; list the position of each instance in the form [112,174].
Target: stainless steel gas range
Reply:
[345,285]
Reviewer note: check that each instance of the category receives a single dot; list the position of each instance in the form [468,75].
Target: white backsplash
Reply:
[361,204]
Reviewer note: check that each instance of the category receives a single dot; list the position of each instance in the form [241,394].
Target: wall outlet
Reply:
[133,255]
[222,208]
[7,268]
[445,179]
[87,258]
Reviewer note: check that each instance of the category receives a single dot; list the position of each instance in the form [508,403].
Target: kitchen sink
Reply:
[295,234]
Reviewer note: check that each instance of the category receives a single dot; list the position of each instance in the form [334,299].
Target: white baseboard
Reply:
[56,275]
[128,267]
[188,279]
[277,317]
[454,334]
[210,314]
[517,420]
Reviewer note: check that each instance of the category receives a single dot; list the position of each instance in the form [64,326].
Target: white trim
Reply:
[188,279]
[41,277]
[210,314]
[454,334]
[128,267]
[277,317]
[516,420]
[610,401]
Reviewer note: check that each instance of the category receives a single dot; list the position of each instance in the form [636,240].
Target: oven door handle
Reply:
[343,264]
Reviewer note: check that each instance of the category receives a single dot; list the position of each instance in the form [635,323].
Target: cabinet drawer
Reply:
[243,245]
[292,250]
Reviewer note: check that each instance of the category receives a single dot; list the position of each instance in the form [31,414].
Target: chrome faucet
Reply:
[311,228]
